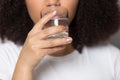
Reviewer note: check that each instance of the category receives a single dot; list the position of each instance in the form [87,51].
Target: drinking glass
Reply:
[61,18]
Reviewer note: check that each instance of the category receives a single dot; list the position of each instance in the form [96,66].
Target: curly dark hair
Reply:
[95,21]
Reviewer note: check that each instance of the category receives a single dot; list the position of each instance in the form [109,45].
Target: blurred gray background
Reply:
[115,39]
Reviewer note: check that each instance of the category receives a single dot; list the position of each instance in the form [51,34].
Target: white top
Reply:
[100,62]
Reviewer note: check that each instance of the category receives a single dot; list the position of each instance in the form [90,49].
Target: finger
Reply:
[40,24]
[55,42]
[53,50]
[49,31]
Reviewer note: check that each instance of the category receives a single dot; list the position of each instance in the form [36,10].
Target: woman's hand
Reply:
[36,47]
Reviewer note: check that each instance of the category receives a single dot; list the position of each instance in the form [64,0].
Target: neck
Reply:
[64,52]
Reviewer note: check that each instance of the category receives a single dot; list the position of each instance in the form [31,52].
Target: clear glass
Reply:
[61,18]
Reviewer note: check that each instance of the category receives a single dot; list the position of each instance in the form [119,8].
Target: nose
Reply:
[53,3]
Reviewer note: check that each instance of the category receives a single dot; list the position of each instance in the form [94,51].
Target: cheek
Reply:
[72,6]
[72,12]
[34,14]
[34,9]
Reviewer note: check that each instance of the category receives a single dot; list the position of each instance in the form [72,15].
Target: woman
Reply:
[85,55]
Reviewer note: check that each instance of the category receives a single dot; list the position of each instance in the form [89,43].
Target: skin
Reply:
[35,47]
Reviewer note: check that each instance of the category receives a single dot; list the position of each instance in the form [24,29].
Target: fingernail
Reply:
[69,39]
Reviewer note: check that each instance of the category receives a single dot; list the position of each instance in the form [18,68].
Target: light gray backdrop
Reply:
[115,39]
